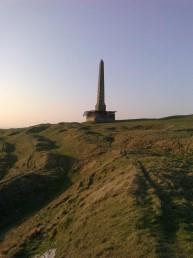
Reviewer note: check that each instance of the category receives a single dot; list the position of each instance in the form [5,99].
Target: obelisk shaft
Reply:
[100,106]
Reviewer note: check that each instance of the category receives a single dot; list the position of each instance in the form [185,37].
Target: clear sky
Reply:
[50,51]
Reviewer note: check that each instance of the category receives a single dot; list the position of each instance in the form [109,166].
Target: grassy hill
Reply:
[115,190]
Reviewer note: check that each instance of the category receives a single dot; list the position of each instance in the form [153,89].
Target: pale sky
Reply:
[50,51]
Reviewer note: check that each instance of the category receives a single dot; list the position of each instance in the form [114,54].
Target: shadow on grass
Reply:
[167,218]
[7,158]
[172,215]
[43,143]
[22,196]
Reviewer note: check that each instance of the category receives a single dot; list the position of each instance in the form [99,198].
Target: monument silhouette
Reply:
[100,114]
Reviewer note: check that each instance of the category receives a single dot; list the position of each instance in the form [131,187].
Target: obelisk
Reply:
[100,115]
[100,106]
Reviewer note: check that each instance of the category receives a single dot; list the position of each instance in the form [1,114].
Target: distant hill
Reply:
[114,190]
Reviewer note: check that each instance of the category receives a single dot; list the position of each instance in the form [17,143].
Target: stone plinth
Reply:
[99,116]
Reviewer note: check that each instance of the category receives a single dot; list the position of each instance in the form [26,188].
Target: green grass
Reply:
[117,190]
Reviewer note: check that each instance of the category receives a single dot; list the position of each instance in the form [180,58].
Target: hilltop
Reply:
[112,190]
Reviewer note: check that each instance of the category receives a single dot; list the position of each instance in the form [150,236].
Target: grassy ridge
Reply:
[117,190]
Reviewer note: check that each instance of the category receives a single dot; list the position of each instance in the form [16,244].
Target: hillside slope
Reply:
[116,190]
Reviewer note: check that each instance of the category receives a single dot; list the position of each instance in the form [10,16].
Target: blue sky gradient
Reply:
[50,51]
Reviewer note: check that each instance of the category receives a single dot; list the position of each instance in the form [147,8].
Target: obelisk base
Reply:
[99,116]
